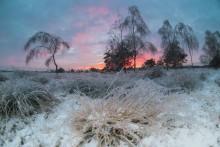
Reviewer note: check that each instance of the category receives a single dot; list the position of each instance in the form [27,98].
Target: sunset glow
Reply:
[85,25]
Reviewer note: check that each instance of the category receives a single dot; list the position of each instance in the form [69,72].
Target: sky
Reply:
[85,24]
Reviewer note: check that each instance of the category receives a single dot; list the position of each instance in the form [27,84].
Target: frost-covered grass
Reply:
[40,79]
[125,116]
[183,79]
[188,80]
[217,80]
[23,98]
[3,78]
[130,113]
[155,72]
[158,111]
[93,85]
[21,74]
[109,122]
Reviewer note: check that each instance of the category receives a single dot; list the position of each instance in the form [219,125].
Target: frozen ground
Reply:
[189,118]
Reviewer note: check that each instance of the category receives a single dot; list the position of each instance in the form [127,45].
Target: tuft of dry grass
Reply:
[22,73]
[185,79]
[40,79]
[3,78]
[154,73]
[23,98]
[93,85]
[217,81]
[114,120]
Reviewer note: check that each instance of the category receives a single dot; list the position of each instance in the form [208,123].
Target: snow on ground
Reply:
[197,124]
[43,129]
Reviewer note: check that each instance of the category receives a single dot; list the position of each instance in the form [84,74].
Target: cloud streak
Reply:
[85,25]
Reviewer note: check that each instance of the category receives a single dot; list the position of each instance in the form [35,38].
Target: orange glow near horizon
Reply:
[143,58]
[139,62]
[98,66]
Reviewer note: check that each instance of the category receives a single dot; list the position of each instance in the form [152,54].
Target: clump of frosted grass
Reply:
[22,73]
[187,80]
[3,78]
[23,98]
[155,72]
[217,81]
[40,79]
[128,113]
[115,120]
[93,85]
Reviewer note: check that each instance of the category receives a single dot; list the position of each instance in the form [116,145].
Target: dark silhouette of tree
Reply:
[123,56]
[167,34]
[61,70]
[211,49]
[93,69]
[174,56]
[182,35]
[137,32]
[187,38]
[117,55]
[46,44]
[109,60]
[160,62]
[149,63]
[118,58]
[215,62]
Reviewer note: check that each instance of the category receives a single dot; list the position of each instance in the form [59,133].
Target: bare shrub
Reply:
[154,73]
[90,88]
[92,85]
[23,73]
[3,78]
[217,81]
[40,79]
[23,98]
[109,122]
[203,76]
[188,80]
[127,113]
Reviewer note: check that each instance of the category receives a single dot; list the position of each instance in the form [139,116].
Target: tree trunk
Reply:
[135,60]
[125,70]
[191,58]
[55,64]
[135,54]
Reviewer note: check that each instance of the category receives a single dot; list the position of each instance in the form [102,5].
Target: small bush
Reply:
[186,79]
[23,98]
[60,70]
[23,73]
[40,79]
[217,81]
[93,85]
[114,120]
[215,62]
[3,78]
[94,69]
[94,89]
[155,73]
[203,76]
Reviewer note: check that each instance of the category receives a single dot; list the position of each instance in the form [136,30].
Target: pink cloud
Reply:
[80,24]
[95,11]
[89,44]
[92,35]
[84,38]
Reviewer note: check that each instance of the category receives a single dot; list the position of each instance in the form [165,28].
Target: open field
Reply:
[153,107]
